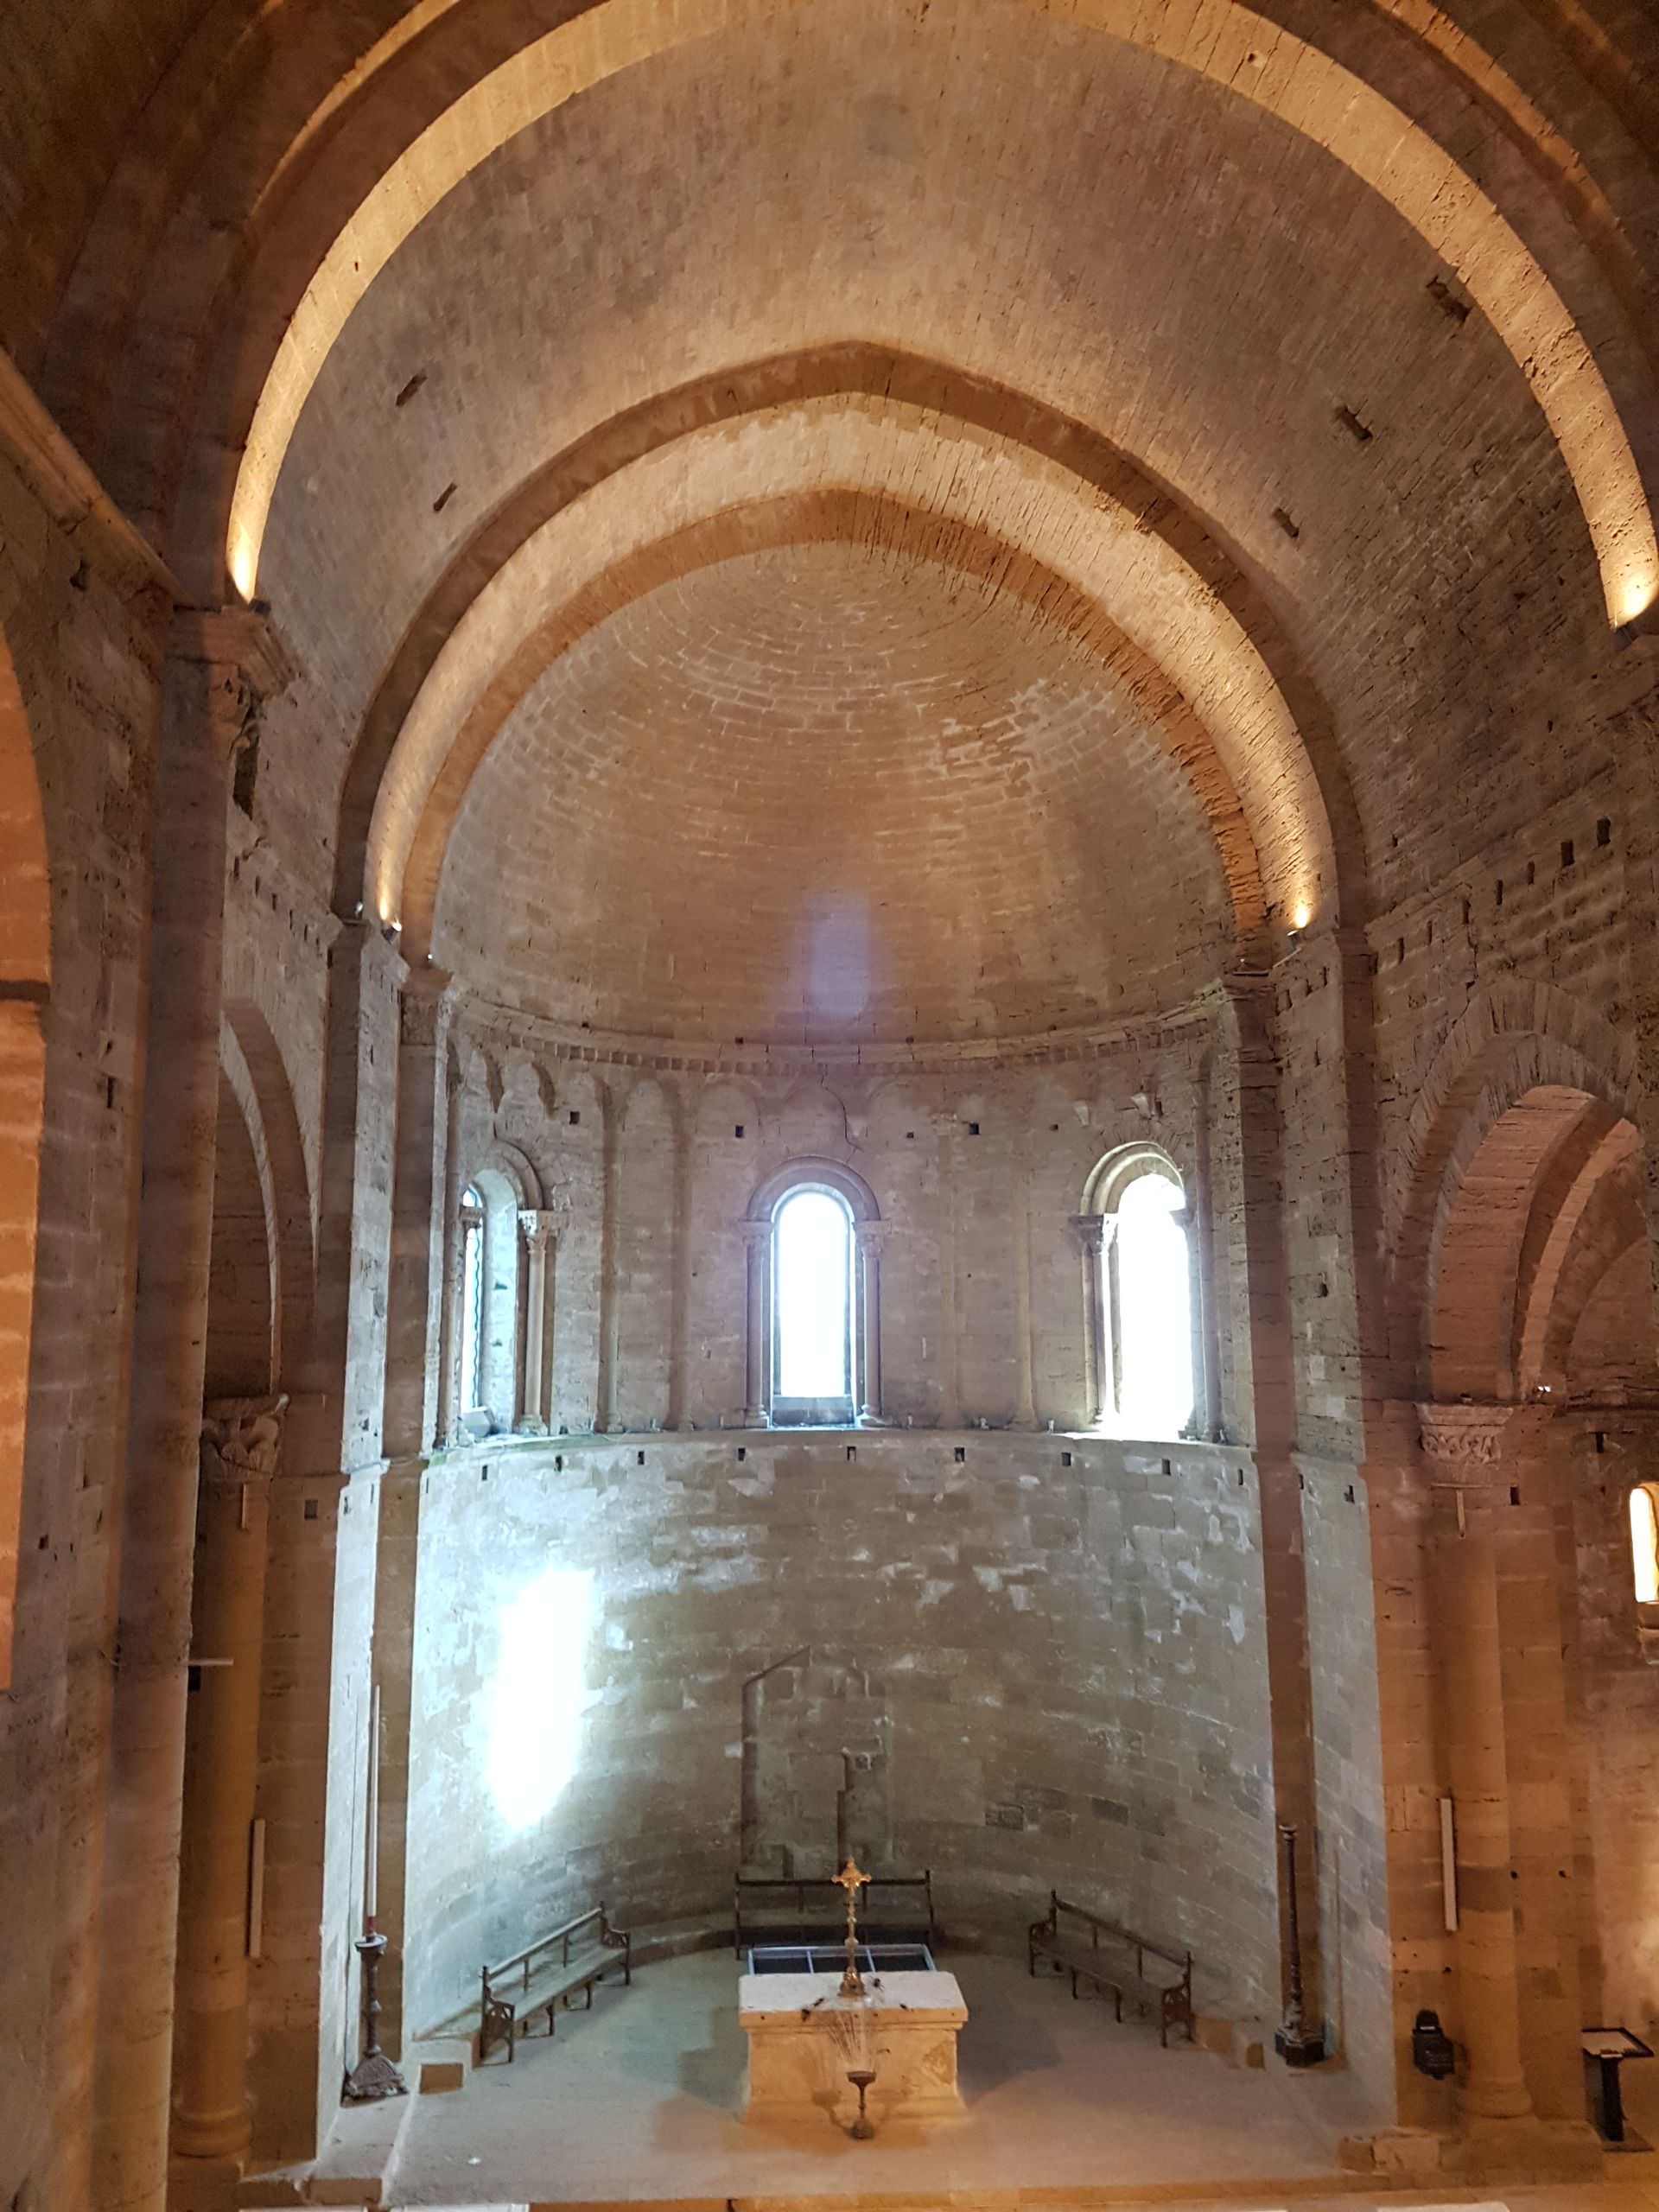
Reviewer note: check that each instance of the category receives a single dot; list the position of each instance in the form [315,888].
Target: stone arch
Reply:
[252,1065]
[1106,480]
[1515,1038]
[25,936]
[1596,1231]
[419,824]
[1307,88]
[847,1182]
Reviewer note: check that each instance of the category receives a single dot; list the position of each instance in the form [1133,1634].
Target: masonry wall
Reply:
[1613,1674]
[1063,1664]
[85,651]
[978,1171]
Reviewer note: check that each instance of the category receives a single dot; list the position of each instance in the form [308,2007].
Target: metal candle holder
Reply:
[374,2076]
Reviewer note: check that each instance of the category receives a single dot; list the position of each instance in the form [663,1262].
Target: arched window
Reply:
[1139,1297]
[813,1238]
[812,1304]
[488,1336]
[473,1219]
[1644,1544]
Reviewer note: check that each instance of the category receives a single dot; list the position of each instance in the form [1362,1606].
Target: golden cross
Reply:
[852,1881]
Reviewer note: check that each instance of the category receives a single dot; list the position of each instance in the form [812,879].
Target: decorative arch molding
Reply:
[1123,1164]
[1514,1037]
[829,1174]
[253,1066]
[1560,349]
[1549,128]
[1593,1209]
[516,1169]
[25,936]
[956,397]
[429,775]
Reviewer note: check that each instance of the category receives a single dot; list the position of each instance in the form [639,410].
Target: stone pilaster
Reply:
[1092,1231]
[1465,1448]
[241,1446]
[538,1230]
[757,1302]
[221,663]
[871,1237]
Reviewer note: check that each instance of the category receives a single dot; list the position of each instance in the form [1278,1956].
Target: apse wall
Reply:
[1045,1656]
[978,1169]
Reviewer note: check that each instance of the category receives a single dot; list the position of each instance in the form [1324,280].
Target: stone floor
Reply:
[639,2100]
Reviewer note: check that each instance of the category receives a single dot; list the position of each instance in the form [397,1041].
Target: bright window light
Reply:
[1644,1545]
[472,1298]
[812,1241]
[1154,1310]
[541,1694]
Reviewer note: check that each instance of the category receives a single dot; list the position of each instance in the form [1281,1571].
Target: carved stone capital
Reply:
[246,663]
[1464,1445]
[241,1440]
[1094,1231]
[538,1229]
[426,1005]
[872,1236]
[755,1233]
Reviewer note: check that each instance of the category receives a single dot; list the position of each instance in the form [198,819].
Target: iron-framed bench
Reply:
[1089,1947]
[548,1973]
[777,1908]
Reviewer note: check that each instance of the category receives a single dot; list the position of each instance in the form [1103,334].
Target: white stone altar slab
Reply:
[805,2038]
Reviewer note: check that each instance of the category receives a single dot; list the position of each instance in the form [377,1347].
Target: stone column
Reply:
[415,1405]
[872,1238]
[220,661]
[1270,1408]
[538,1234]
[241,1442]
[1093,1232]
[1463,1446]
[757,1254]
[1204,1419]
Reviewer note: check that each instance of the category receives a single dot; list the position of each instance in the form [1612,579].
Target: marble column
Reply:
[1093,1233]
[1464,1445]
[241,1443]
[538,1235]
[757,1254]
[871,1237]
[221,662]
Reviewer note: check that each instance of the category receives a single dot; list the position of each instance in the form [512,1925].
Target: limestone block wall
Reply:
[1056,1644]
[1350,1846]
[1613,1675]
[79,656]
[978,1169]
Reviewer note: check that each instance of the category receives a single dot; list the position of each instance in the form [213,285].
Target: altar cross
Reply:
[850,1878]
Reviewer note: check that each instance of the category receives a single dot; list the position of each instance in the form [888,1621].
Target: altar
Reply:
[806,2039]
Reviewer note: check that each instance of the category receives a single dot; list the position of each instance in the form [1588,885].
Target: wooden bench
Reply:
[774,1909]
[548,1973]
[1090,1949]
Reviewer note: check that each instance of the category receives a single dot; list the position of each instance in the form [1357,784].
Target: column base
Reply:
[203,2184]
[1513,2151]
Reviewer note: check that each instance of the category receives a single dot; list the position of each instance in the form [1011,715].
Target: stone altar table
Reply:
[805,2038]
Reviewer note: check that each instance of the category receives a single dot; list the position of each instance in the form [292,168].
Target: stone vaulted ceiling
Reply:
[1274,385]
